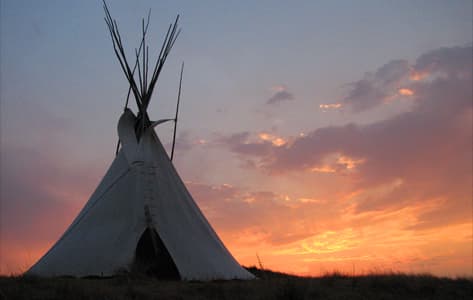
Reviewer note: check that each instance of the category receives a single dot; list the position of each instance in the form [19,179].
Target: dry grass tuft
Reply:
[271,285]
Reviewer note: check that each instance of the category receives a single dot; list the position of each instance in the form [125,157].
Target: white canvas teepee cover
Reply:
[141,191]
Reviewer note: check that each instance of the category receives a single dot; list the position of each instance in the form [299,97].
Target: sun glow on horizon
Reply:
[314,157]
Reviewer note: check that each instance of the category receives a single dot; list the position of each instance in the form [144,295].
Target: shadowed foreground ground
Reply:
[271,285]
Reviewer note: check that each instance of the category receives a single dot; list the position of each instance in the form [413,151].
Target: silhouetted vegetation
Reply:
[270,285]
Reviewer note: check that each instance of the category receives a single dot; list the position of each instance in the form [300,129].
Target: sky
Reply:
[319,136]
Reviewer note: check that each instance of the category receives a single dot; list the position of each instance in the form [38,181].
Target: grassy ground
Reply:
[271,285]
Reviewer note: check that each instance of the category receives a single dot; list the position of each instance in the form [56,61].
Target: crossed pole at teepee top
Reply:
[143,89]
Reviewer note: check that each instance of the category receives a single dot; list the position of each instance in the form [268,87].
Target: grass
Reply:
[271,285]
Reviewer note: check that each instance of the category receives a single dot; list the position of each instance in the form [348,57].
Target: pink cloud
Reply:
[428,148]
[226,205]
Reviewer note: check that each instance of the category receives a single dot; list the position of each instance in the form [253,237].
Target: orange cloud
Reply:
[330,106]
[405,92]
[417,76]
[337,163]
[275,140]
[348,162]
[381,244]
[323,169]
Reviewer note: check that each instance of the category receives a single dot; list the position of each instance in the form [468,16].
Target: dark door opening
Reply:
[153,259]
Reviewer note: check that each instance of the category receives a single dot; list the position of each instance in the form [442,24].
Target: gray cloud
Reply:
[453,61]
[280,96]
[428,147]
[392,72]
[240,143]
[373,89]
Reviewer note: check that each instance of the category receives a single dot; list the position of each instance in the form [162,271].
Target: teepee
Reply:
[141,216]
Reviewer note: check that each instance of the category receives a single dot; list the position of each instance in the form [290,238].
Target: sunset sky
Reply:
[319,135]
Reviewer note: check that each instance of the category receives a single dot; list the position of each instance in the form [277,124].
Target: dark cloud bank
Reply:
[428,147]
